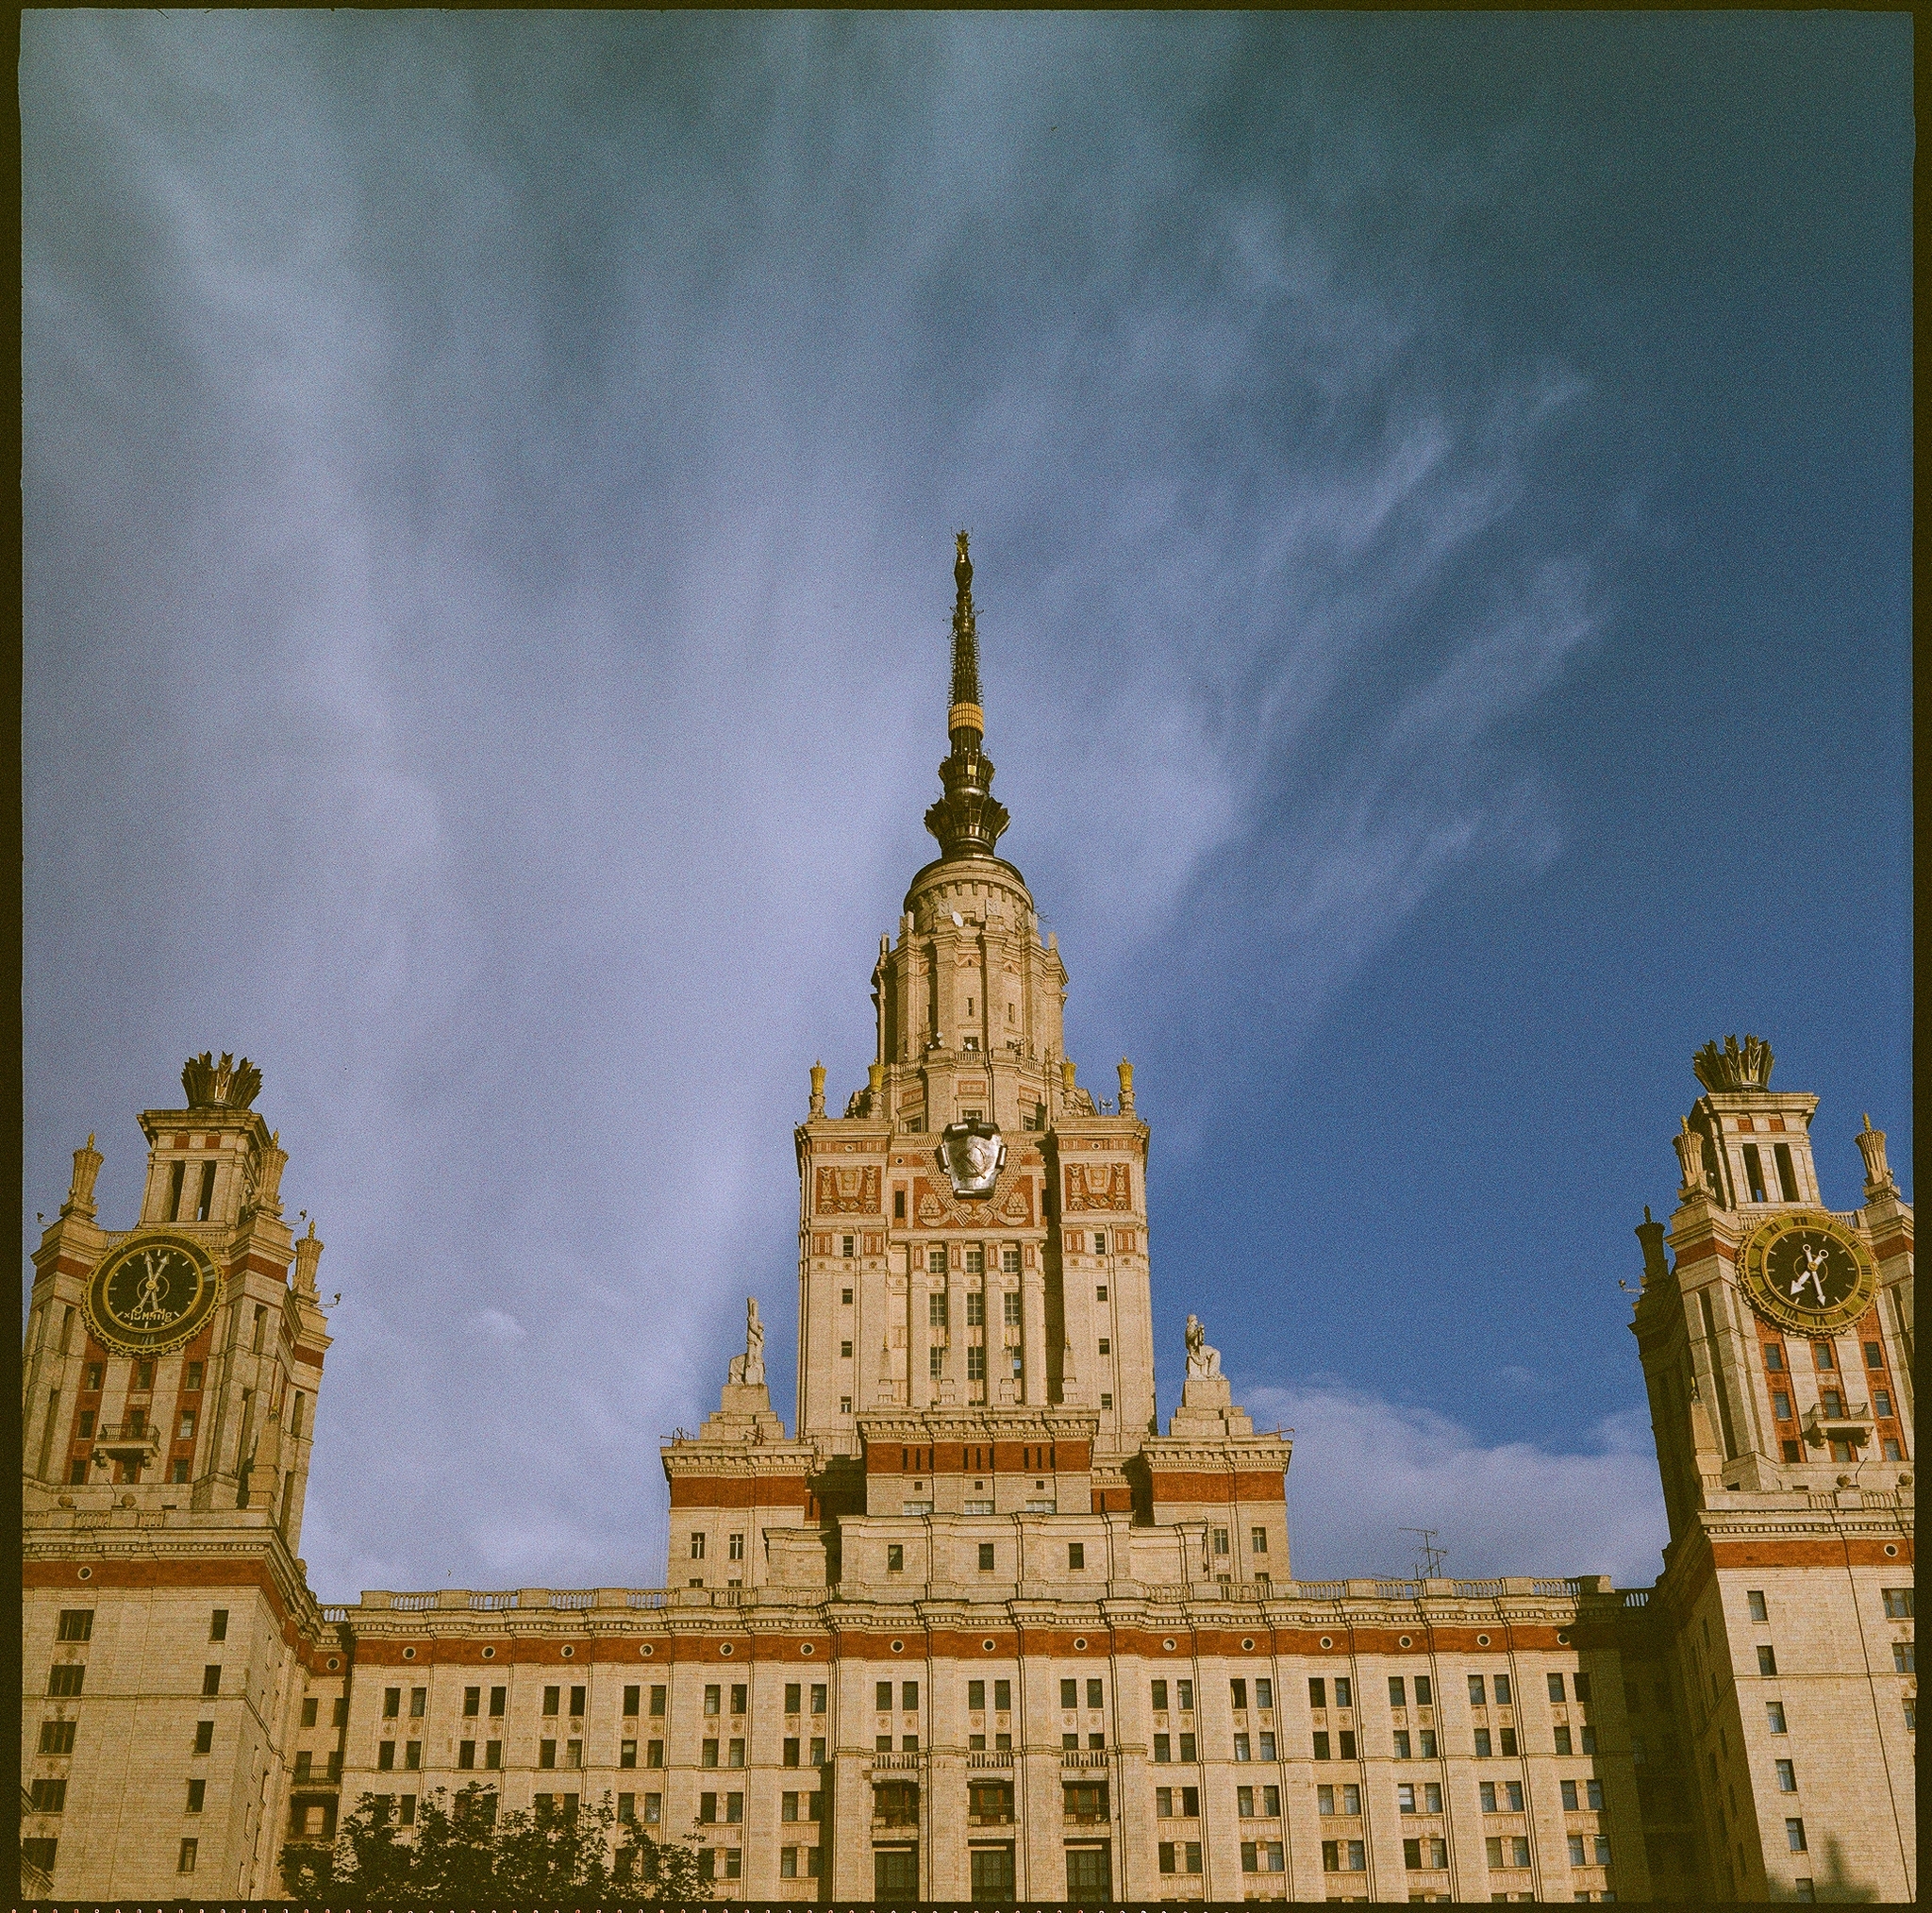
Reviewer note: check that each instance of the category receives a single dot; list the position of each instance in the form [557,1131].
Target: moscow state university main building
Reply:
[977,1627]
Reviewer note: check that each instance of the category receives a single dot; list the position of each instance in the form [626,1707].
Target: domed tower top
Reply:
[968,818]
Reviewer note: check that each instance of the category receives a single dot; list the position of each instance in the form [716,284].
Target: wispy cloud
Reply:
[1365,1468]
[529,498]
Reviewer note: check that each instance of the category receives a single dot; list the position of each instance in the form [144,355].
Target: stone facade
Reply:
[977,1629]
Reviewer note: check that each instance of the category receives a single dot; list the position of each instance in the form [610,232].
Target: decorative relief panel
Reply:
[853,1192]
[1010,1206]
[1098,1186]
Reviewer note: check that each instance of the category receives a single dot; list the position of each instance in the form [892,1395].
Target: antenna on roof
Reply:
[1429,1557]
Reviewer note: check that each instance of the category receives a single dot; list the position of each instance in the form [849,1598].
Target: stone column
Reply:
[1033,1330]
[918,1334]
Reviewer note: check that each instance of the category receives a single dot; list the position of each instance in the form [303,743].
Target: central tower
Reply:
[972,1230]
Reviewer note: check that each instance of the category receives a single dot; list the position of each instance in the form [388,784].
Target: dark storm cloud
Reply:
[489,489]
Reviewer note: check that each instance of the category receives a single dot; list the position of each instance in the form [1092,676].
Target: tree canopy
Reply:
[464,1851]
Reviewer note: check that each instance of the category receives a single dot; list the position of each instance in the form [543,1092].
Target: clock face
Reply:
[151,1295]
[1806,1271]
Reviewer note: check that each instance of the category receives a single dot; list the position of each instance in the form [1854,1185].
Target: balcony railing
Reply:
[1852,1421]
[134,1432]
[1083,1757]
[1002,1756]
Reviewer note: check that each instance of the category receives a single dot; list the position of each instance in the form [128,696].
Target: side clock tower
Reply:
[172,1371]
[1776,1350]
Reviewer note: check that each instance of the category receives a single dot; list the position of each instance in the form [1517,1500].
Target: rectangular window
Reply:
[1264,1695]
[1898,1603]
[936,1361]
[466,1754]
[1188,1747]
[1786,1777]
[1786,1173]
[1556,1681]
[1346,1749]
[76,1624]
[1428,1743]
[1903,1658]
[1184,1696]
[210,1681]
[1822,1356]
[1753,1172]
[1398,1692]
[1070,1693]
[50,1796]
[1509,1735]
[1477,1698]
[1767,1660]
[976,1363]
[1502,1687]
[1402,1743]
[1161,1749]
[1239,1691]
[985,1557]
[1482,1744]
[936,1303]
[1241,1747]
[1754,1600]
[185,1864]
[1794,1836]
[57,1737]
[419,1702]
[385,1756]
[1321,1747]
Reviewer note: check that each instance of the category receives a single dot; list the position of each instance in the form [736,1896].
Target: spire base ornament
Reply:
[968,818]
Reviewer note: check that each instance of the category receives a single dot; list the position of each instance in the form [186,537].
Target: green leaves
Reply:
[465,1852]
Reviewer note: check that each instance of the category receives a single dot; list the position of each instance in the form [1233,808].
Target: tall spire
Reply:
[968,818]
[965,713]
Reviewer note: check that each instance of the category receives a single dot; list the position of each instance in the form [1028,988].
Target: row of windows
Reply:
[1824,1356]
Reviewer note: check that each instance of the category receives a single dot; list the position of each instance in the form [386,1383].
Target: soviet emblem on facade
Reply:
[972,1154]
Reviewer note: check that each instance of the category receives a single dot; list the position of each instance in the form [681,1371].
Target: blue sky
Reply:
[1440,490]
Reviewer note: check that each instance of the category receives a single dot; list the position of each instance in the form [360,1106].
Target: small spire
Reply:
[968,818]
[965,703]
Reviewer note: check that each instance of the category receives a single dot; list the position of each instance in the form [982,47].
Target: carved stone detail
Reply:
[1098,1186]
[847,1190]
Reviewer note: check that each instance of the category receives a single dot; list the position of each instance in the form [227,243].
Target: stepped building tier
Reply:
[976,1628]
